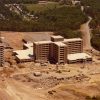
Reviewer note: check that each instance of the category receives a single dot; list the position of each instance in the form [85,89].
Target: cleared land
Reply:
[71,81]
[14,39]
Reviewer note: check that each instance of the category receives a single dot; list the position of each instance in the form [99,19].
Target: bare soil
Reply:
[70,82]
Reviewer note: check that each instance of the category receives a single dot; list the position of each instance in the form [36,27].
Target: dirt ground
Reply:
[68,82]
[72,82]
[14,39]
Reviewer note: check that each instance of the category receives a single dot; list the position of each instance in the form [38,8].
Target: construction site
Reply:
[75,77]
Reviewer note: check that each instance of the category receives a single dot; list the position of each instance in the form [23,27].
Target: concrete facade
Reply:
[42,51]
[1,54]
[58,49]
[54,52]
[59,53]
[74,45]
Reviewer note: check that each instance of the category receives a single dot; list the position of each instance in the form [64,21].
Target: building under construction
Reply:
[60,50]
[56,50]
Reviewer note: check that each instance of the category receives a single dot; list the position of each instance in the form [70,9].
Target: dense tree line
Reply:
[96,39]
[63,20]
[19,1]
[92,8]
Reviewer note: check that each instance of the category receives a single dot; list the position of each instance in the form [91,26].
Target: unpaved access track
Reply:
[14,90]
[86,34]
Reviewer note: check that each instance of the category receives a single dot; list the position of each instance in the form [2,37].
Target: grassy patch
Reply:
[42,7]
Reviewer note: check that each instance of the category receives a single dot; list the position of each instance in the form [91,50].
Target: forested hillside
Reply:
[9,20]
[63,20]
[4,11]
[92,8]
[19,1]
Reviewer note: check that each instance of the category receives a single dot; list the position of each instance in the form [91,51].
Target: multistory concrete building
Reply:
[59,53]
[54,52]
[57,50]
[1,54]
[57,38]
[42,51]
[74,45]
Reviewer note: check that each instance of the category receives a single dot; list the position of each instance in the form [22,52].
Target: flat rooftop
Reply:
[43,42]
[56,37]
[77,56]
[28,45]
[59,43]
[24,54]
[72,39]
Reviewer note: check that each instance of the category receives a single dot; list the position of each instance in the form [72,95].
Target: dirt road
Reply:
[86,34]
[17,91]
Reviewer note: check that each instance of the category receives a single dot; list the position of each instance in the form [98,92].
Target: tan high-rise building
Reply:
[42,50]
[55,52]
[74,45]
[1,54]
[59,52]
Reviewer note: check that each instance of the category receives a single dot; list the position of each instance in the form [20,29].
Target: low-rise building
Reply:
[78,57]
[25,55]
